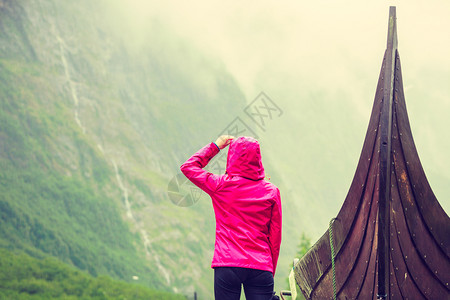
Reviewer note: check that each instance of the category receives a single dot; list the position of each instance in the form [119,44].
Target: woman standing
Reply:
[248,218]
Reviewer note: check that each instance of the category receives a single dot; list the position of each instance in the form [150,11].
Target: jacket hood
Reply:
[244,158]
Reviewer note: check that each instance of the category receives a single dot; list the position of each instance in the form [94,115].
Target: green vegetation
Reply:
[24,277]
[42,211]
[77,101]
[303,247]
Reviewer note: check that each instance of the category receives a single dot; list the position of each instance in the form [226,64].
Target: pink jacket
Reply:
[247,208]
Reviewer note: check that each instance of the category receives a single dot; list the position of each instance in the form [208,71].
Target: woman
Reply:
[248,218]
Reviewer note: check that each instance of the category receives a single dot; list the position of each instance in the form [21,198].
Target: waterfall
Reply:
[150,253]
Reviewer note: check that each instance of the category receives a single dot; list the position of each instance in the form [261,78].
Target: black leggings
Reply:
[258,284]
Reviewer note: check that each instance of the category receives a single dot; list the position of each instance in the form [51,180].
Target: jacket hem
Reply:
[248,266]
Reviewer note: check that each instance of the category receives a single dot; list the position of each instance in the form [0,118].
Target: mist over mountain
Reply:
[100,105]
[93,129]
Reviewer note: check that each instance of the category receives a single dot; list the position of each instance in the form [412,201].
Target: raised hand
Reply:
[223,141]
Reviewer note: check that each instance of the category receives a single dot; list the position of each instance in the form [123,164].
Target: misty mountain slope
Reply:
[50,199]
[88,129]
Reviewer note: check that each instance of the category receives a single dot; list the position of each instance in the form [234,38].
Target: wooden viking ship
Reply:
[391,238]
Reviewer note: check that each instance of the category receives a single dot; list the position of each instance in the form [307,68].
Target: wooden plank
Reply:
[368,289]
[406,255]
[355,280]
[408,288]
[399,254]
[394,290]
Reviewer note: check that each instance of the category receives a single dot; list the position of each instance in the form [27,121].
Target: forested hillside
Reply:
[24,277]
[88,122]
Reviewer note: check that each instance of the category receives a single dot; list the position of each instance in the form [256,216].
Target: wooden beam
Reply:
[385,157]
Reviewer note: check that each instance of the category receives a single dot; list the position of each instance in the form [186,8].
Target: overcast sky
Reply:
[294,36]
[282,46]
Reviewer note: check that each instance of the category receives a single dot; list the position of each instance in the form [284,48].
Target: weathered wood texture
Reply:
[386,157]
[417,226]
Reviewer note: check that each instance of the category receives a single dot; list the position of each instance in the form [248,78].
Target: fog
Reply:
[293,50]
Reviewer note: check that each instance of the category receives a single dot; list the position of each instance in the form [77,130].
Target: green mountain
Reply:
[92,129]
[25,277]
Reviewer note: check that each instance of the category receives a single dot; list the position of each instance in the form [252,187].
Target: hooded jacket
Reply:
[247,208]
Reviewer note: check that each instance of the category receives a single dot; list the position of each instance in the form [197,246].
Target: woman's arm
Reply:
[193,167]
[275,230]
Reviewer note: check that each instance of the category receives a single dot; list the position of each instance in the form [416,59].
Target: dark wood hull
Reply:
[417,230]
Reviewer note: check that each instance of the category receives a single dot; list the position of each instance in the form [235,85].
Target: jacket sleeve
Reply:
[275,230]
[193,168]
